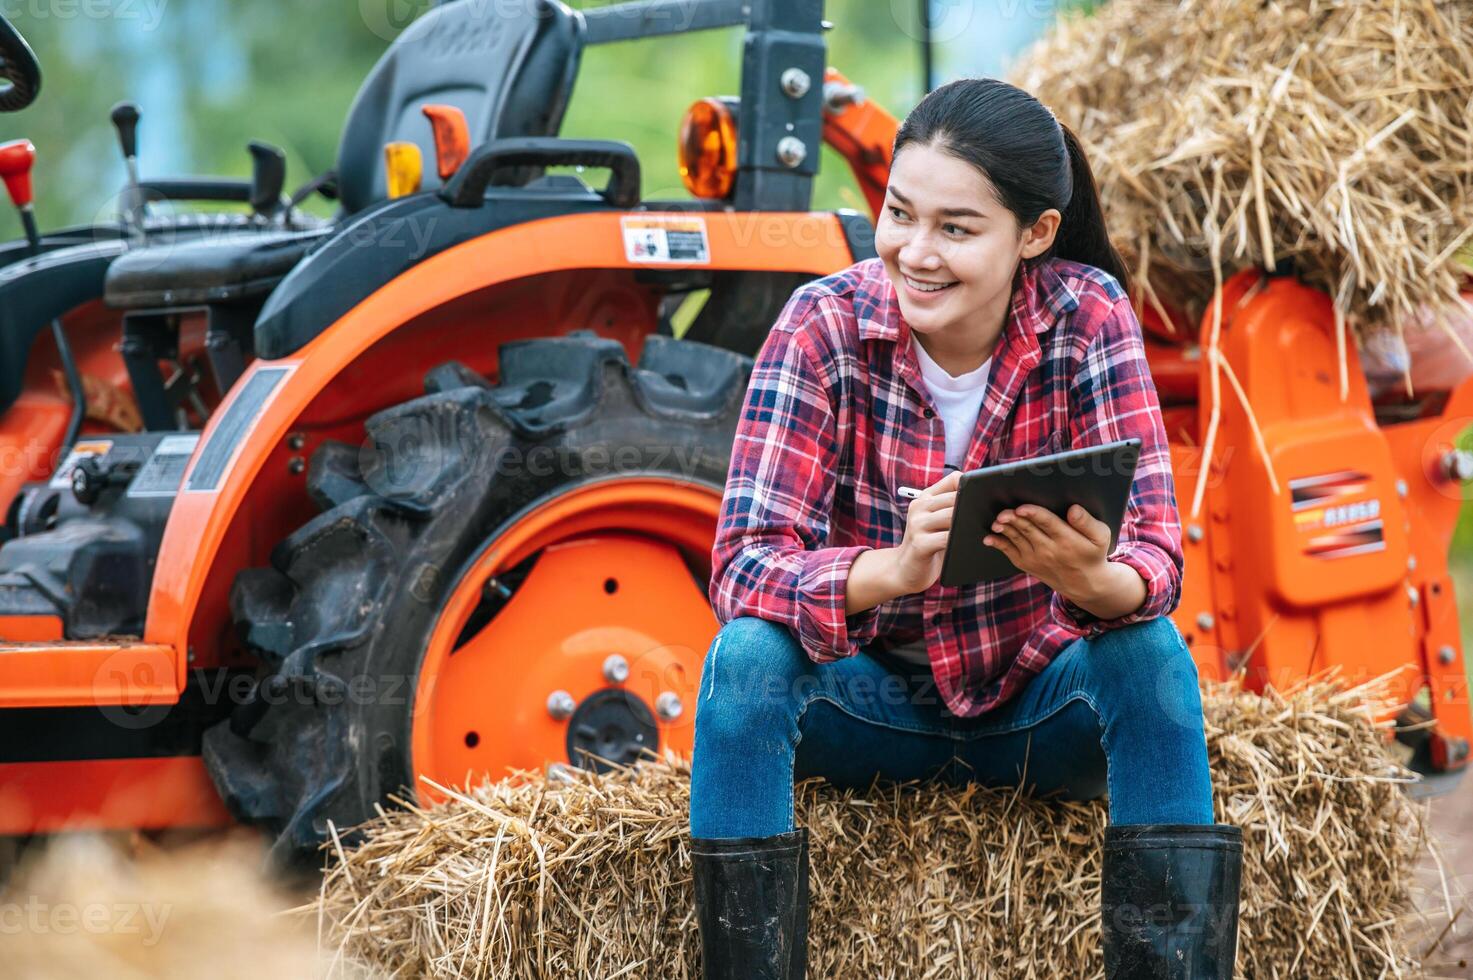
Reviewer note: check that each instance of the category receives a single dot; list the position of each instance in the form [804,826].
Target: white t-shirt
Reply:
[958,400]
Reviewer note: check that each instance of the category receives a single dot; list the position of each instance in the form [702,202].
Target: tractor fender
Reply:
[228,485]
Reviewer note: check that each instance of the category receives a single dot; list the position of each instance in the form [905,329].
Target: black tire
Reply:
[351,597]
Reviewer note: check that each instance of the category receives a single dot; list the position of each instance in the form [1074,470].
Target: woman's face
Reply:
[943,226]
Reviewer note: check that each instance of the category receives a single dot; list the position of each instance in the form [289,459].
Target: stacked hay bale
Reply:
[590,875]
[1231,133]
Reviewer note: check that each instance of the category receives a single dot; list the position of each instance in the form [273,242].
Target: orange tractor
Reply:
[451,506]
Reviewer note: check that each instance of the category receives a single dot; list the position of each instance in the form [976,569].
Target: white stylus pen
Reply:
[911,493]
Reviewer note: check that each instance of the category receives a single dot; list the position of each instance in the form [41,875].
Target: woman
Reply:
[994,325]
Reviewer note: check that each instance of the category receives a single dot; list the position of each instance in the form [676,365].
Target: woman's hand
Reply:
[1068,557]
[927,524]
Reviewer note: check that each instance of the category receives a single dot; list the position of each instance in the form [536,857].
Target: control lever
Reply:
[452,138]
[268,177]
[91,478]
[125,116]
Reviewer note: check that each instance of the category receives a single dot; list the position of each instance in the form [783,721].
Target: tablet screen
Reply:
[1098,478]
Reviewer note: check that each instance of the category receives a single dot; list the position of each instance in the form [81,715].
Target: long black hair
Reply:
[1031,159]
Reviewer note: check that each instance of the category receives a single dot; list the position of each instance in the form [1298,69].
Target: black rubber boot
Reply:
[752,905]
[1169,901]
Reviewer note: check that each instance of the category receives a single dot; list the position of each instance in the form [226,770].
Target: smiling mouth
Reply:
[928,287]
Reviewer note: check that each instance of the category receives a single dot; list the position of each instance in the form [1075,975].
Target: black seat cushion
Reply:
[212,270]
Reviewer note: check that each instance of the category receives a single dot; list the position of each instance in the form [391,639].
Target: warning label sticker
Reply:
[665,239]
[62,478]
[160,476]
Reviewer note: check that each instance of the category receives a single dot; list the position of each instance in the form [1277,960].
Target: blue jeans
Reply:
[1119,714]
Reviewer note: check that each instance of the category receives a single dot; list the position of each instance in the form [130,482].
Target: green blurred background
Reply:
[209,75]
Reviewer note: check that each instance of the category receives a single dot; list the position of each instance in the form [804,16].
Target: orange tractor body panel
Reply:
[108,794]
[1339,557]
[69,673]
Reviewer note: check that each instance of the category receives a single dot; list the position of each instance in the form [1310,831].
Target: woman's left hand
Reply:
[1068,557]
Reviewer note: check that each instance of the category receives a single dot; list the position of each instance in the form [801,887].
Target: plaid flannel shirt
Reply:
[836,417]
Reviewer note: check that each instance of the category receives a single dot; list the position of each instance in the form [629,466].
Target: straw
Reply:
[923,880]
[1339,129]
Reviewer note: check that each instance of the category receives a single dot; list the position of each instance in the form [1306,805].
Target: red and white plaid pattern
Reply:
[836,417]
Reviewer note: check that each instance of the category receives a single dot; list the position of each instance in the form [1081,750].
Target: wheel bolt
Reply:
[668,706]
[616,669]
[560,705]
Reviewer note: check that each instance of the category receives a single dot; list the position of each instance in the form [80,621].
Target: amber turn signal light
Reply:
[708,148]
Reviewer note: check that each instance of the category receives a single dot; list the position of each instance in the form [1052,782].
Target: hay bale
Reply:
[1235,133]
[589,875]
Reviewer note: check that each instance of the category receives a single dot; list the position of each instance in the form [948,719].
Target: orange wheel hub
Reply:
[609,610]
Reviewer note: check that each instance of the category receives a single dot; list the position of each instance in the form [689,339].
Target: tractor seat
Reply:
[211,270]
[510,72]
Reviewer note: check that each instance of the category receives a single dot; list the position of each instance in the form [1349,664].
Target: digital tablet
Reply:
[1098,478]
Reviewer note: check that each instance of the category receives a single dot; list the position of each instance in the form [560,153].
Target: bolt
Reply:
[795,83]
[1446,654]
[296,441]
[1412,596]
[1195,533]
[1411,563]
[1458,465]
[668,706]
[1401,488]
[1205,621]
[791,151]
[616,669]
[560,705]
[296,465]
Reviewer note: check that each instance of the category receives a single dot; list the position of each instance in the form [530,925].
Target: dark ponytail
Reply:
[1033,162]
[1082,236]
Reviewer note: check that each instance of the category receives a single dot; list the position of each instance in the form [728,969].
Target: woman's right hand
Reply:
[927,524]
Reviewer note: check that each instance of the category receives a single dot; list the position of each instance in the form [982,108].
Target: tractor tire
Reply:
[342,616]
